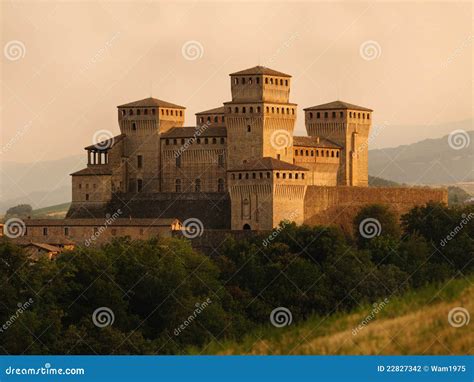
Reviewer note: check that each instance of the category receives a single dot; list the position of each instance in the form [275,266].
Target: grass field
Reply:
[415,323]
[52,212]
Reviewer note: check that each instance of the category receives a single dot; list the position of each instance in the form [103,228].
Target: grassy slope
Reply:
[52,212]
[415,323]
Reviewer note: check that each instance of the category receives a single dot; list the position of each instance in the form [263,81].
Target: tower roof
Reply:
[152,102]
[267,163]
[314,142]
[260,70]
[217,110]
[335,105]
[191,131]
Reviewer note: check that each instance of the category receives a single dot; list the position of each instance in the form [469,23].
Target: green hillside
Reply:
[57,211]
[415,323]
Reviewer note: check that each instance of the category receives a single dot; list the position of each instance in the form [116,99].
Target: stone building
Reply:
[240,167]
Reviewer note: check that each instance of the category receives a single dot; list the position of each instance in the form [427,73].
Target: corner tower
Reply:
[260,119]
[142,122]
[349,126]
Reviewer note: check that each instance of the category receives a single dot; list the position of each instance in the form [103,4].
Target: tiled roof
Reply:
[267,163]
[336,105]
[98,221]
[190,131]
[107,144]
[152,102]
[315,142]
[46,247]
[260,70]
[217,110]
[99,169]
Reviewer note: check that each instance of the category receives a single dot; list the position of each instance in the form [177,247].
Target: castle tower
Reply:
[259,119]
[142,122]
[349,126]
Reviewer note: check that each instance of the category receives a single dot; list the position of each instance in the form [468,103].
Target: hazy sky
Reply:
[66,65]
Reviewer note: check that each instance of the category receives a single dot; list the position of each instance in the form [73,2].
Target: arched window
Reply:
[273,109]
[284,175]
[130,112]
[243,81]
[337,154]
[278,175]
[257,80]
[293,111]
[312,153]
[368,115]
[180,113]
[307,153]
[167,112]
[261,175]
[230,110]
[286,82]
[208,119]
[302,176]
[327,153]
[236,109]
[215,119]
[281,82]
[167,141]
[318,115]
[246,175]
[249,128]
[178,185]
[153,111]
[222,118]
[134,126]
[138,111]
[145,111]
[322,153]
[301,152]
[341,114]
[254,175]
[240,176]
[310,115]
[220,185]
[244,110]
[358,115]
[325,114]
[251,109]
[268,109]
[268,175]
[220,160]
[283,110]
[162,111]
[214,141]
[197,185]
[198,141]
[206,141]
[296,153]
[175,141]
[332,154]
[258,109]
[222,140]
[201,120]
[266,80]
[290,176]
[334,114]
[317,153]
[296,176]
[250,81]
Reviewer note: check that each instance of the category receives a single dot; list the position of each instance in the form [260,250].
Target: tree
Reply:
[375,220]
[21,211]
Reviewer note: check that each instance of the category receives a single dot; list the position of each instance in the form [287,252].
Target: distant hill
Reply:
[52,212]
[40,184]
[429,162]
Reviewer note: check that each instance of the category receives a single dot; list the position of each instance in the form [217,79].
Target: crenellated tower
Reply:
[349,126]
[260,119]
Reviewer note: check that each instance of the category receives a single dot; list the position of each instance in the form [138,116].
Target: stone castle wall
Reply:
[339,205]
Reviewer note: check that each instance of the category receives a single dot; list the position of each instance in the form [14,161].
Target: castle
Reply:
[245,149]
[239,168]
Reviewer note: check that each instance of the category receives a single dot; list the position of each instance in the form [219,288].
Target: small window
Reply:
[296,153]
[145,111]
[130,112]
[341,114]
[307,153]
[244,109]
[257,80]
[201,120]
[208,119]
[286,82]
[124,113]
[334,114]
[261,175]
[249,128]
[268,175]
[250,81]
[214,141]
[310,115]
[198,141]
[251,109]
[258,109]
[45,231]
[220,160]
[153,111]
[284,175]
[281,82]
[206,141]
[240,176]
[87,196]
[302,176]
[134,126]
[178,185]
[278,175]
[139,185]
[167,141]
[368,115]
[180,113]
[215,119]
[243,81]
[254,175]
[233,176]
[325,114]
[236,109]
[296,176]
[139,161]
[80,186]
[266,80]
[318,115]
[197,185]
[290,175]
[278,156]
[138,111]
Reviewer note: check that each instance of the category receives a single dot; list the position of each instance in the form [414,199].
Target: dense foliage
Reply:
[166,297]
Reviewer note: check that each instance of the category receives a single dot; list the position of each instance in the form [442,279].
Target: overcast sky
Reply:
[66,65]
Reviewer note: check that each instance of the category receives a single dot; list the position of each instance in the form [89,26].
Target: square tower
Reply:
[260,119]
[142,122]
[348,126]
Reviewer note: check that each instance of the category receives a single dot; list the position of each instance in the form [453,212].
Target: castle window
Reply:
[220,185]
[334,114]
[327,153]
[322,153]
[281,82]
[220,160]
[138,111]
[341,114]
[243,81]
[167,141]
[363,115]
[222,140]
[80,185]
[332,154]
[134,126]
[250,81]
[87,196]
[94,185]
[45,231]
[246,175]
[302,176]
[283,110]
[178,185]
[254,175]
[286,82]
[167,112]
[310,115]
[236,109]
[139,185]
[178,161]
[208,119]
[215,119]
[350,114]
[206,141]
[222,118]
[325,114]
[358,115]
[284,175]
[278,110]
[66,231]
[290,175]
[266,80]
[198,141]
[87,185]
[249,129]
[296,153]
[271,81]
[130,112]
[278,156]
[145,111]
[318,115]
[180,113]
[233,176]
[268,109]
[162,111]
[312,153]
[368,115]
[337,154]
[175,141]
[244,110]
[236,81]
[124,112]
[214,141]
[258,109]
[182,141]
[278,175]
[317,153]
[201,120]
[197,185]
[153,111]
[240,176]
[257,80]
[268,175]
[307,153]
[251,109]
[230,110]
[301,152]
[293,111]
[296,176]
[261,175]
[273,109]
